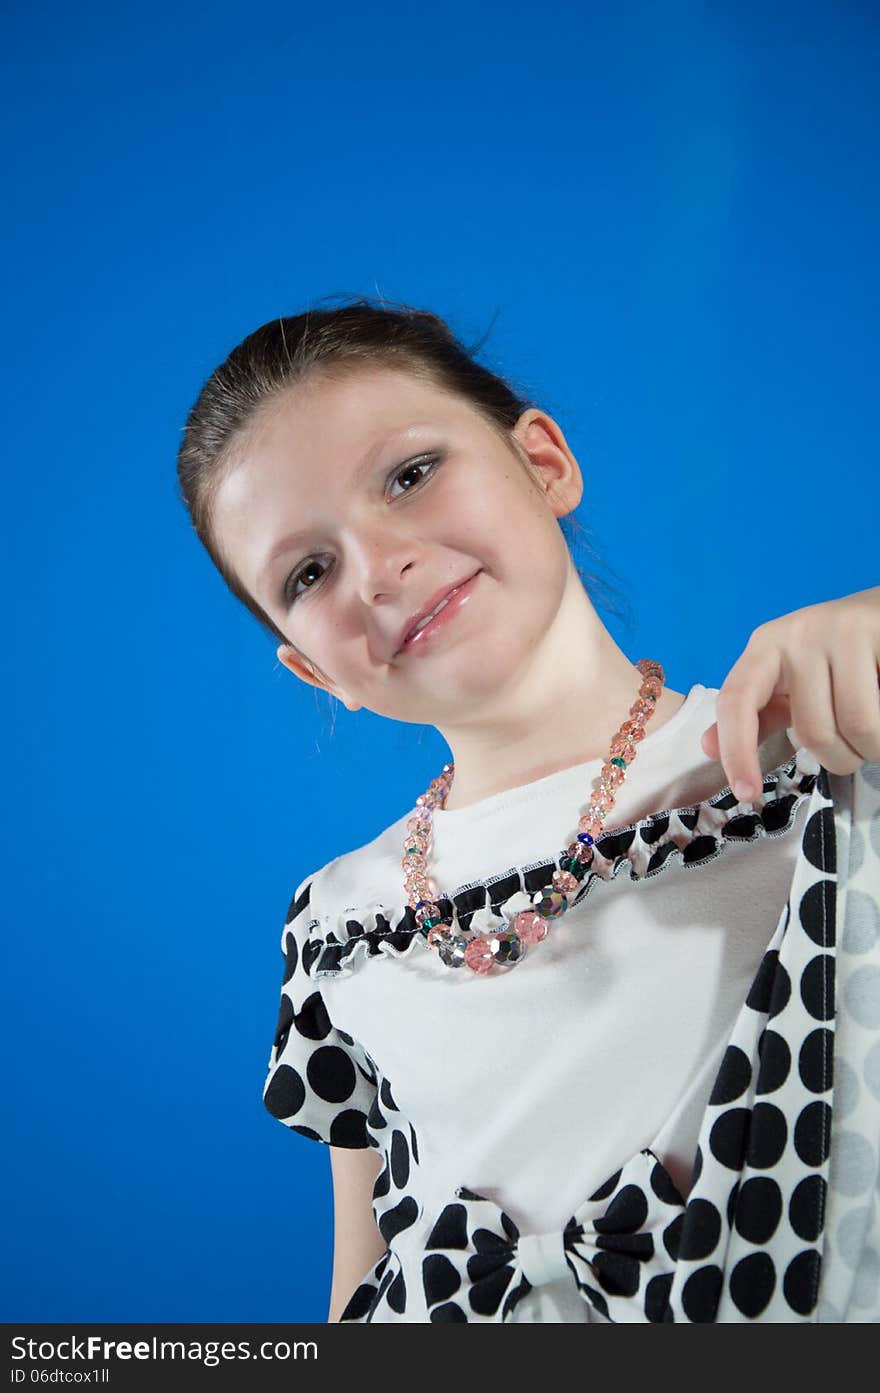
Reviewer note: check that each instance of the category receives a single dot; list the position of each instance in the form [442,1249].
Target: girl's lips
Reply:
[422,639]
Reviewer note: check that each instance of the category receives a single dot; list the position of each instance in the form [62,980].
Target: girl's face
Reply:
[353,500]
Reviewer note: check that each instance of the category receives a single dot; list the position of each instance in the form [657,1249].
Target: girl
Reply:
[571,1026]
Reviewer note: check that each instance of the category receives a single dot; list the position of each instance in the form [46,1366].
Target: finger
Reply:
[813,715]
[775,716]
[855,688]
[747,690]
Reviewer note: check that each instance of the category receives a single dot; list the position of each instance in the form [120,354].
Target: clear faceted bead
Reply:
[506,946]
[550,903]
[452,950]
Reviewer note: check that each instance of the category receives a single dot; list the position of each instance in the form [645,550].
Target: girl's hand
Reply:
[815,670]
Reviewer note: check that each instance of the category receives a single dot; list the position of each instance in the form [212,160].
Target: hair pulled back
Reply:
[365,332]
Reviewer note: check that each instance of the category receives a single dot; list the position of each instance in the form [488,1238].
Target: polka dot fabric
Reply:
[780,1221]
[850,1287]
[753,1228]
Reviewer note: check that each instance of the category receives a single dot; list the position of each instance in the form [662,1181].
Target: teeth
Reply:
[428,617]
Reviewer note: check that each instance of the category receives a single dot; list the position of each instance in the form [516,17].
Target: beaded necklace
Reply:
[505,947]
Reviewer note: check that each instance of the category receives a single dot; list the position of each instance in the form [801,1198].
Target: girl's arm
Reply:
[357,1242]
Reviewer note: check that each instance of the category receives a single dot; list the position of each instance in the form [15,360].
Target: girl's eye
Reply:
[429,463]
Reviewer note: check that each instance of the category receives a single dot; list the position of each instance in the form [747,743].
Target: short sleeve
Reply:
[321,1082]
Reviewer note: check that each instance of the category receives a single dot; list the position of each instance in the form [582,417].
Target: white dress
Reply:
[669,1110]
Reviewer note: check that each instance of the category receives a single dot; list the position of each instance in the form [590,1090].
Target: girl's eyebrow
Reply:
[290,539]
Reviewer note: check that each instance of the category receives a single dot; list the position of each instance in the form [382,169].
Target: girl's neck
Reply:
[547,724]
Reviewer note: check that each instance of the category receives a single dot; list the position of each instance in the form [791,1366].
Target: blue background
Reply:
[669,215]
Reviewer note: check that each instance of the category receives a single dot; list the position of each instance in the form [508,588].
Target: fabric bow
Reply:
[620,1247]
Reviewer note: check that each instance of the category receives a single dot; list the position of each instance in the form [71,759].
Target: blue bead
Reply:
[585,838]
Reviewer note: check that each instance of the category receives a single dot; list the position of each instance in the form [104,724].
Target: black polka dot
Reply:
[440,1278]
[285,1021]
[758,1209]
[775,1057]
[331,1074]
[415,1145]
[286,1092]
[702,1229]
[731,1202]
[448,1312]
[817,986]
[307,1132]
[817,910]
[450,1229]
[383,1183]
[664,1186]
[697,1168]
[801,1281]
[618,1274]
[760,991]
[819,842]
[701,848]
[752,1282]
[395,1220]
[781,991]
[607,1187]
[385,1283]
[485,1296]
[806,1209]
[311,951]
[657,1296]
[349,1129]
[701,1292]
[360,1303]
[399,1159]
[816,1060]
[672,1235]
[385,1094]
[727,1139]
[733,1077]
[626,1213]
[812,1133]
[397,1294]
[291,955]
[595,1298]
[312,1020]
[767,1137]
[375,1118]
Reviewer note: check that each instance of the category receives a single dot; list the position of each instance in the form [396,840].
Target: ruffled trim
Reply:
[692,835]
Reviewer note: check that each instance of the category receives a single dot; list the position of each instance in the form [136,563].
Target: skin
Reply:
[526,679]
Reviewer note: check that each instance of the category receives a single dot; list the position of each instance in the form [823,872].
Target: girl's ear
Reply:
[302,668]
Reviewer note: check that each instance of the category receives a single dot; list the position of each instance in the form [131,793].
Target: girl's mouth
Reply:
[420,639]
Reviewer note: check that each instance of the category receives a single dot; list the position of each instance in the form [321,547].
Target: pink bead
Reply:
[591,824]
[478,955]
[564,881]
[602,799]
[529,926]
[633,730]
[612,774]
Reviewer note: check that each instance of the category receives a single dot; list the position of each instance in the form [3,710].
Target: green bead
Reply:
[575,867]
[619,761]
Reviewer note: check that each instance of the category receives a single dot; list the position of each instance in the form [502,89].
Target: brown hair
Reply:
[364,332]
